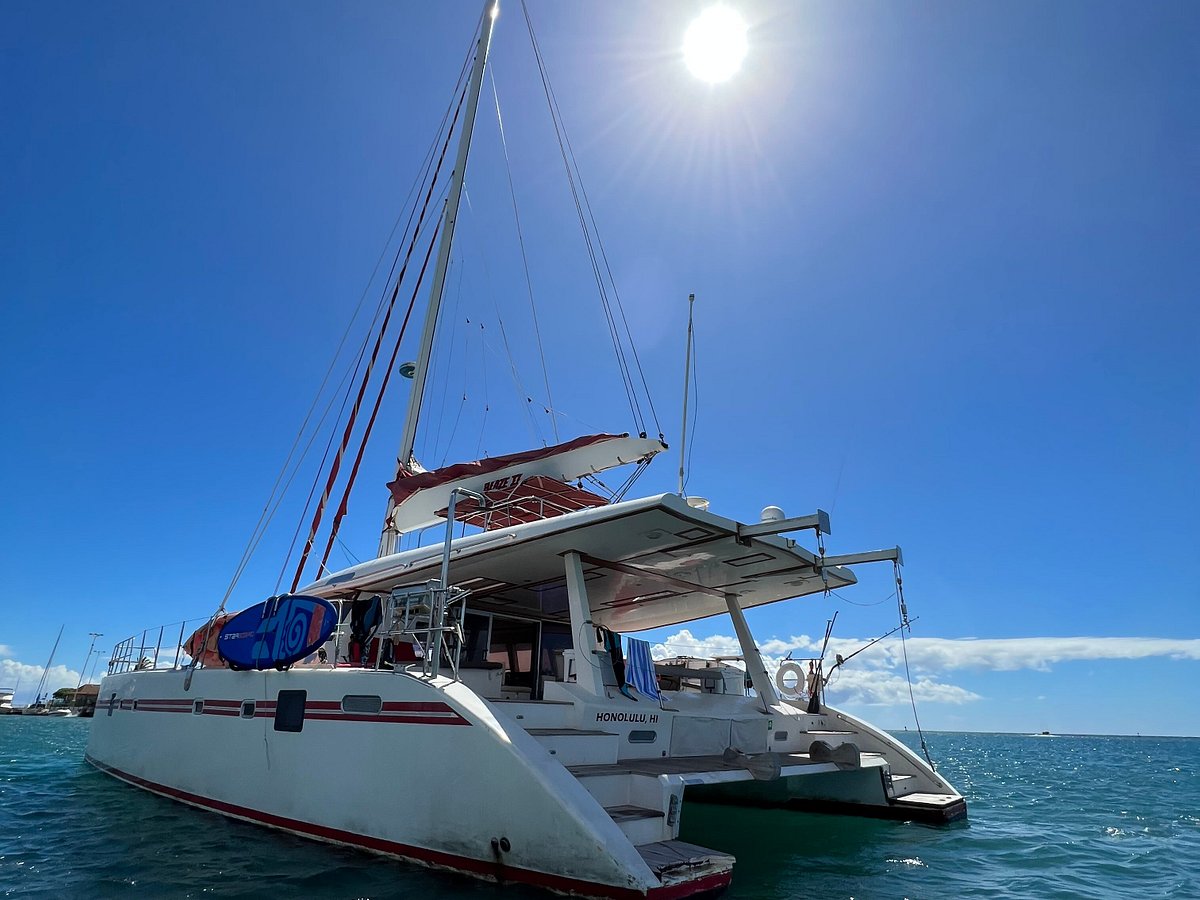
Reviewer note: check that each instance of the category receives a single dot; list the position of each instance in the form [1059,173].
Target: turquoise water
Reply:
[1050,817]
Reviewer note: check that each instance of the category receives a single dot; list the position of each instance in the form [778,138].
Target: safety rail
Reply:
[146,651]
[432,612]
[534,507]
[434,609]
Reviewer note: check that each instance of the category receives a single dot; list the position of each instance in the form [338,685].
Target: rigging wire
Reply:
[276,496]
[695,409]
[576,190]
[337,461]
[902,608]
[512,192]
[523,396]
[430,448]
[387,375]
[487,404]
[847,600]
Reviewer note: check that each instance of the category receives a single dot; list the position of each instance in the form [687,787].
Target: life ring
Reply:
[787,667]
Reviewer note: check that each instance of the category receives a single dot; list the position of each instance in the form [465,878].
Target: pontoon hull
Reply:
[434,777]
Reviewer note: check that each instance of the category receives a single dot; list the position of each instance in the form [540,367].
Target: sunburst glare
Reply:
[714,45]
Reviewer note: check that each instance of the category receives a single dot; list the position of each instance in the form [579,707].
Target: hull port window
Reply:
[247,709]
[197,707]
[289,711]
[361,703]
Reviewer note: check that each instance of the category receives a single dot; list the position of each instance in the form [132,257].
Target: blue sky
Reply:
[945,265]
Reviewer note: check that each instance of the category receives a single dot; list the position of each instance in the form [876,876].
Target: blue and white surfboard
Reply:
[276,632]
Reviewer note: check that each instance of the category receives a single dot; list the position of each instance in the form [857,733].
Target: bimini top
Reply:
[647,563]
[421,499]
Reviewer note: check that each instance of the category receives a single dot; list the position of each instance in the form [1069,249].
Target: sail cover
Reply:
[421,499]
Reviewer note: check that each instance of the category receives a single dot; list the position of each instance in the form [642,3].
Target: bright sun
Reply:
[715,44]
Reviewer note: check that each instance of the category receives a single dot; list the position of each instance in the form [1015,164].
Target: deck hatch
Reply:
[749,560]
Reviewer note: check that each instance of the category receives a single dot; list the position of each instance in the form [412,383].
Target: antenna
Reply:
[687,371]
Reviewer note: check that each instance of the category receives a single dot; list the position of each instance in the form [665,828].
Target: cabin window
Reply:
[643,737]
[197,707]
[514,645]
[247,709]
[555,639]
[476,629]
[289,711]
[362,703]
[781,735]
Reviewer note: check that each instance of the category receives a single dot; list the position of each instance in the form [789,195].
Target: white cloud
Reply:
[875,688]
[5,650]
[875,677]
[861,685]
[13,672]
[1011,654]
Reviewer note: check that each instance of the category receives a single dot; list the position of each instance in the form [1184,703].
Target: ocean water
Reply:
[1049,818]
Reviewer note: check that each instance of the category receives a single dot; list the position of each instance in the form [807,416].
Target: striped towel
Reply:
[639,668]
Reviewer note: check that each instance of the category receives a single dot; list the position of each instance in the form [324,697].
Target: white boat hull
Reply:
[435,777]
[558,794]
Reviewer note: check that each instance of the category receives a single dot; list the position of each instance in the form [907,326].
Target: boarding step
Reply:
[641,825]
[678,863]
[578,746]
[903,785]
[929,807]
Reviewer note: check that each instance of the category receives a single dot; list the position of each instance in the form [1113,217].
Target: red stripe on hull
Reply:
[481,868]
[433,713]
[409,720]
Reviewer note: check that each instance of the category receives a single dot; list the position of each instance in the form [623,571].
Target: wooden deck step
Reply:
[628,813]
[678,862]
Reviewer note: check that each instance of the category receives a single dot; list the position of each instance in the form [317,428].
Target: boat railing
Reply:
[534,509]
[160,647]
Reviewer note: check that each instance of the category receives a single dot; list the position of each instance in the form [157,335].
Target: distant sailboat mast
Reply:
[387,542]
[49,663]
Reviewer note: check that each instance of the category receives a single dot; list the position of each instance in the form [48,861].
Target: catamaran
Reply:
[473,699]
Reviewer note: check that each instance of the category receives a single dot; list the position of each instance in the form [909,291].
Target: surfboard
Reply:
[277,632]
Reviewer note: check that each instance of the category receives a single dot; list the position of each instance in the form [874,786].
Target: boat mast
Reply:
[387,542]
[49,663]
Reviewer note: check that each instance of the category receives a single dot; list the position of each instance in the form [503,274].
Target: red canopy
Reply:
[407,485]
[531,500]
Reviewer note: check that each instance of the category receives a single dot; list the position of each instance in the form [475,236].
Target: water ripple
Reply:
[1061,818]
